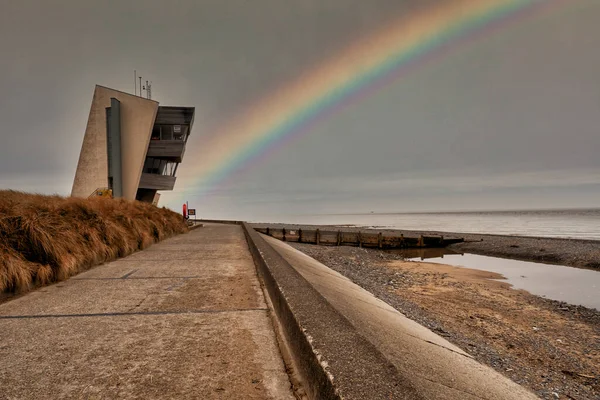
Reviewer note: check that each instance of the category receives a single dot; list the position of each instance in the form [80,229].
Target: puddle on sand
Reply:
[424,253]
[556,282]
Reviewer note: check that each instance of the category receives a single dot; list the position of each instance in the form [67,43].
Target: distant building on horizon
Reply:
[131,146]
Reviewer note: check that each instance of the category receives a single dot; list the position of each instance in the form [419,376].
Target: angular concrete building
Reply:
[131,146]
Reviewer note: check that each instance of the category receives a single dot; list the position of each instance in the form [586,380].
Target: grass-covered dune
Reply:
[44,239]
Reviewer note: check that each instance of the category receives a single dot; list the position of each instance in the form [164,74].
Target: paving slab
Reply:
[156,268]
[201,253]
[190,327]
[95,296]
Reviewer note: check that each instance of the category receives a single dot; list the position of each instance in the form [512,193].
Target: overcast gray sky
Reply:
[511,121]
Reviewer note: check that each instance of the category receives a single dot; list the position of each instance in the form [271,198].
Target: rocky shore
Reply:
[553,348]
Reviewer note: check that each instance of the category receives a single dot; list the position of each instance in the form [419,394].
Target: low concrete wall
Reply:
[349,344]
[334,361]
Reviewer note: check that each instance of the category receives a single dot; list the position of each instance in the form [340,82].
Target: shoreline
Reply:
[577,253]
[551,347]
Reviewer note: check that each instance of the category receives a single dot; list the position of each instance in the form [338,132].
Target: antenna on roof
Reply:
[135,82]
[148,89]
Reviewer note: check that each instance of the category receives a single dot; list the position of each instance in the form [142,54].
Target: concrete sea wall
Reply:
[348,344]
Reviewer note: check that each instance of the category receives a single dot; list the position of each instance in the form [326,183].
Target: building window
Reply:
[170,132]
[166,132]
[156,132]
[177,133]
[158,166]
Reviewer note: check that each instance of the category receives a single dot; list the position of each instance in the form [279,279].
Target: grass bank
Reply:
[44,239]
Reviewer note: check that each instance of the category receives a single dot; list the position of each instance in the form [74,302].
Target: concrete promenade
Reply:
[185,318]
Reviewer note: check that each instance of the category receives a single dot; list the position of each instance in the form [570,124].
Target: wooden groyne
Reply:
[356,238]
[349,238]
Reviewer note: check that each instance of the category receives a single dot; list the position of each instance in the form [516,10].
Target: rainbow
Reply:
[355,73]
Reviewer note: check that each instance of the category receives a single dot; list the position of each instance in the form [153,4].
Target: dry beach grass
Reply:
[44,239]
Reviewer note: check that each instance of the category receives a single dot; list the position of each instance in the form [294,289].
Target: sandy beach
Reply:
[551,347]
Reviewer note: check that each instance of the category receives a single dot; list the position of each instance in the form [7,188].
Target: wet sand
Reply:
[579,286]
[553,348]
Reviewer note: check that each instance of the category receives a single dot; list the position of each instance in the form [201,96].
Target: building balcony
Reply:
[172,149]
[157,182]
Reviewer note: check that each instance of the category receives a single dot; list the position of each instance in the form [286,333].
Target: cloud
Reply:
[509,120]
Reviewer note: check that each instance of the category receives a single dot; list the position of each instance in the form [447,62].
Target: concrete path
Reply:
[430,364]
[185,318]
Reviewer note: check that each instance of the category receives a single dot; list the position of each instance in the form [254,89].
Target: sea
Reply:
[571,223]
